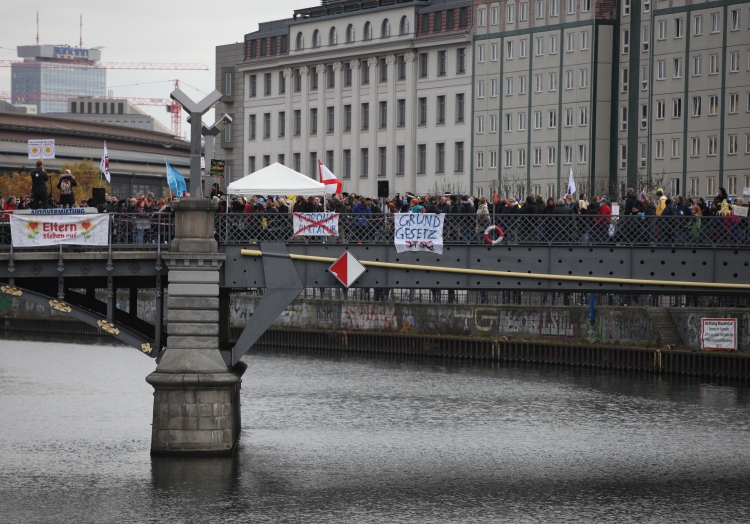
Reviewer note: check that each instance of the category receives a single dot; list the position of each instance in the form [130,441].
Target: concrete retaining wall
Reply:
[614,325]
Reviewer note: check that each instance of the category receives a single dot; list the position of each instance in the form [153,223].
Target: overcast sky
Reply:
[141,31]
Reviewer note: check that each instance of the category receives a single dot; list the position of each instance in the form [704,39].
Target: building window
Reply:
[644,78]
[493,53]
[677,108]
[331,118]
[350,38]
[403,26]
[697,65]
[678,25]
[347,118]
[552,120]
[437,21]
[644,116]
[480,124]
[660,149]
[661,109]
[732,186]
[347,163]
[461,60]
[732,149]
[524,48]
[383,115]
[459,157]
[508,158]
[251,126]
[713,104]
[297,159]
[713,142]
[347,74]
[460,107]
[382,161]
[508,122]
[677,62]
[297,81]
[625,7]
[253,86]
[365,117]
[624,118]
[582,154]
[333,37]
[646,36]
[401,113]
[297,122]
[511,13]
[624,80]
[330,77]
[364,163]
[314,121]
[480,54]
[538,158]
[422,111]
[482,17]
[421,159]
[509,50]
[697,105]
[228,133]
[661,70]
[540,9]
[494,16]
[508,86]
[439,158]
[551,156]
[734,62]
[493,123]
[313,78]
[537,119]
[623,156]
[540,46]
[493,159]
[568,118]
[400,159]
[694,187]
[735,19]
[493,87]
[365,72]
[521,121]
[300,42]
[422,65]
[698,25]
[521,157]
[524,11]
[625,41]
[675,148]
[695,150]
[584,78]
[282,124]
[522,85]
[711,183]
[441,63]
[251,164]
[401,67]
[715,22]
[267,84]
[554,8]
[441,109]
[316,39]
[383,70]
[480,89]
[227,85]
[553,44]
[583,116]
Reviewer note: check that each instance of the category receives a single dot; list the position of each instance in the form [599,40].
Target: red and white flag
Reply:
[333,184]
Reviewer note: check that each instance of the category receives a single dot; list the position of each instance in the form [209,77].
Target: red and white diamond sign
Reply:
[347,269]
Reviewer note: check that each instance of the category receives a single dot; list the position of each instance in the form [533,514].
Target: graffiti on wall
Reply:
[359,315]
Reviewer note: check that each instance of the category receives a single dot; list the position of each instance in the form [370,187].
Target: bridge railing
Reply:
[591,230]
[126,231]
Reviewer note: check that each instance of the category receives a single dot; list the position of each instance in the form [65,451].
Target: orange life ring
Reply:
[499,235]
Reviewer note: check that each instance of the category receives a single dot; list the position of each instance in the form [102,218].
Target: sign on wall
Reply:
[41,149]
[51,230]
[217,168]
[419,232]
[719,334]
[316,224]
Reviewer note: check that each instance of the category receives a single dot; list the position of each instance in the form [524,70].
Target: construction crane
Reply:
[172,107]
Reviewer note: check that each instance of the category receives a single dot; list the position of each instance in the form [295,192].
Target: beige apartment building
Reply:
[376,90]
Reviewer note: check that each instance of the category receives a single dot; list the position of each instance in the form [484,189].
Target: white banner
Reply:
[316,224]
[50,230]
[40,149]
[419,232]
[719,333]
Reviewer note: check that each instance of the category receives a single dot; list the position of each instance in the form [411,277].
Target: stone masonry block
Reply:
[194,290]
[194,315]
[176,396]
[190,410]
[197,437]
[161,409]
[227,436]
[197,303]
[190,423]
[205,410]
[218,410]
[207,423]
[194,277]
[189,396]
[179,328]
[175,410]
[192,342]
[175,423]
[215,396]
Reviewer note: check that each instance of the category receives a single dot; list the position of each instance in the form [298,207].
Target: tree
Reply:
[86,172]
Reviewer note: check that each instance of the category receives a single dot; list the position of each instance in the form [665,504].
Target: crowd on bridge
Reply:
[531,219]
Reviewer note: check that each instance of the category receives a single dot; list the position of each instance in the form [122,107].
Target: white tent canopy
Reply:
[276,179]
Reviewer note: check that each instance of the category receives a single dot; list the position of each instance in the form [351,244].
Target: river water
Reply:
[349,439]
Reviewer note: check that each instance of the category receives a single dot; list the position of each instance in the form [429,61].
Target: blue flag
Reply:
[176,181]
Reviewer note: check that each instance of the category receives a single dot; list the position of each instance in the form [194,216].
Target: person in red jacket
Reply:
[603,220]
[10,205]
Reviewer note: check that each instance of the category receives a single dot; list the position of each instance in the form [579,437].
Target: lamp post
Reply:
[197,128]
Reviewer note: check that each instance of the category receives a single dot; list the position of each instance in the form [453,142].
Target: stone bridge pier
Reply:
[197,395]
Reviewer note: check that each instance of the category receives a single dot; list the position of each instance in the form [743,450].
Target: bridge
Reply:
[196,258]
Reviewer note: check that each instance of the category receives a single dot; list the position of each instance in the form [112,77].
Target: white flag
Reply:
[104,165]
[333,184]
[571,184]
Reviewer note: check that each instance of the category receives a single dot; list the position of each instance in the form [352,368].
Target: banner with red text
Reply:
[51,230]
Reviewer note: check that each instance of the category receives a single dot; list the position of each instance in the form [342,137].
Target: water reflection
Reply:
[340,438]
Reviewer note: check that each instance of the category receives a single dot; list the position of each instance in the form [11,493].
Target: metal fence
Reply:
[458,229]
[126,231]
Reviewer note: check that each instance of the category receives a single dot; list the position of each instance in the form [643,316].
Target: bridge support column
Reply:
[197,395]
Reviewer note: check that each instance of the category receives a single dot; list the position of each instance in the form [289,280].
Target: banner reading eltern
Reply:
[50,230]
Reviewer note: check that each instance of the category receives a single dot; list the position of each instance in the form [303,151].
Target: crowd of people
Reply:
[467,216]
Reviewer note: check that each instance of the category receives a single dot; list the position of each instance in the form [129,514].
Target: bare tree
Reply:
[454,188]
